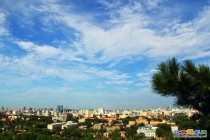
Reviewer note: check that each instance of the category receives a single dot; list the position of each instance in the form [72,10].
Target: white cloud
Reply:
[48,51]
[132,38]
[111,76]
[203,20]
[25,70]
[43,61]
[44,52]
[153,3]
[127,33]
[29,69]
[26,45]
[3,29]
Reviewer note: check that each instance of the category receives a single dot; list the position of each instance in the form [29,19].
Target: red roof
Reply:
[108,118]
[19,131]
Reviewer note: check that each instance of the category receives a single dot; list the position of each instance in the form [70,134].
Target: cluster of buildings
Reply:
[60,110]
[61,117]
[62,125]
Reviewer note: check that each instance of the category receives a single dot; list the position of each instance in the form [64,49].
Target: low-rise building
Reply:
[69,125]
[97,126]
[81,120]
[16,112]
[109,118]
[63,117]
[84,127]
[155,123]
[123,116]
[112,128]
[130,123]
[144,121]
[149,133]
[54,125]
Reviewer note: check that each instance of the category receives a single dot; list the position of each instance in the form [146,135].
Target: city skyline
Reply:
[91,54]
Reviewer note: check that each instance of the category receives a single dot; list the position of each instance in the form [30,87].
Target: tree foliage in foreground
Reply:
[187,82]
[164,131]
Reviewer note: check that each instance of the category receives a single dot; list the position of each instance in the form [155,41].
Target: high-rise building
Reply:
[88,114]
[60,108]
[101,111]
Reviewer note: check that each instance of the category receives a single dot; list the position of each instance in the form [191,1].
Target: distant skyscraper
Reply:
[60,108]
[88,114]
[101,111]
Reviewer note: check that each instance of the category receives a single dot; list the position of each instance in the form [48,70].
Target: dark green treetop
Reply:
[187,82]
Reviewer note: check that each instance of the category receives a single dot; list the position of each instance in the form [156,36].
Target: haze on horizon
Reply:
[101,53]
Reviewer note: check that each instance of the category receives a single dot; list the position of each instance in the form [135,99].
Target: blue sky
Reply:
[95,53]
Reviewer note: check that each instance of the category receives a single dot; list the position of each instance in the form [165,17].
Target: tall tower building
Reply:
[101,111]
[88,114]
[60,108]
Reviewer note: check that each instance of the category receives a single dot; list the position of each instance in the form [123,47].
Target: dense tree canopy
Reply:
[187,82]
[164,130]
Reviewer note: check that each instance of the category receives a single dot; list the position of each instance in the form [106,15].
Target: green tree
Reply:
[115,135]
[187,82]
[186,123]
[131,131]
[160,132]
[164,131]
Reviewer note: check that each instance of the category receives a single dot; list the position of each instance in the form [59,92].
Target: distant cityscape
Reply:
[122,113]
[62,117]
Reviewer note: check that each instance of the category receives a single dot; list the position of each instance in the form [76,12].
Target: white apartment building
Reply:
[149,133]
[69,125]
[54,125]
[16,112]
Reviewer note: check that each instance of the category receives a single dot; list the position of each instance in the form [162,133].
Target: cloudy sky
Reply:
[95,53]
